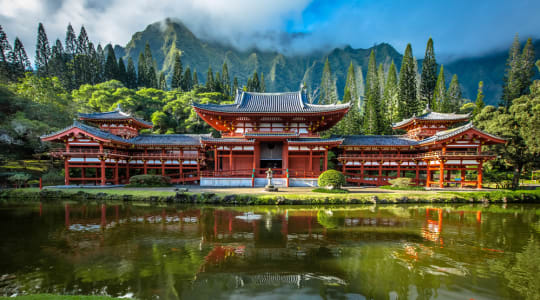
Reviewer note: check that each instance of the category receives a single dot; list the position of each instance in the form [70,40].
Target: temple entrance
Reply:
[271,155]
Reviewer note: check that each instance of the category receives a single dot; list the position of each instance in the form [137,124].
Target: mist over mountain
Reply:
[286,71]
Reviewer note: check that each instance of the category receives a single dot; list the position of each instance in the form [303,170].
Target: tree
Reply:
[43,52]
[328,86]
[195,78]
[382,79]
[176,81]
[71,42]
[131,74]
[82,42]
[141,71]
[254,84]
[187,83]
[428,81]
[210,79]
[440,101]
[150,68]
[527,64]
[360,86]
[162,82]
[226,80]
[217,83]
[479,102]
[390,97]
[350,94]
[111,66]
[453,95]
[407,101]
[262,85]
[372,109]
[57,63]
[235,85]
[122,73]
[18,60]
[5,49]
[519,72]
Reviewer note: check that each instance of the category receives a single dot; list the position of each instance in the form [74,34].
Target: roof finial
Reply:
[118,108]
[427,109]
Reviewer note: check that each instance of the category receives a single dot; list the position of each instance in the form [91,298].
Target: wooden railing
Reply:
[261,173]
[384,156]
[455,154]
[124,154]
[418,156]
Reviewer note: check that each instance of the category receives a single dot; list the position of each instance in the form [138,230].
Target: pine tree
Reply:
[43,52]
[141,71]
[131,74]
[162,82]
[82,42]
[150,68]
[440,101]
[122,73]
[407,101]
[235,85]
[511,85]
[527,67]
[71,42]
[360,86]
[390,97]
[454,95]
[382,79]
[262,84]
[100,64]
[5,49]
[94,64]
[254,85]
[225,80]
[428,80]
[328,86]
[217,83]
[479,102]
[57,63]
[18,60]
[195,78]
[111,65]
[187,83]
[176,81]
[372,108]
[210,79]
[350,94]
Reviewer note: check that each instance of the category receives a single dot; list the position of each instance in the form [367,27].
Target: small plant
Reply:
[149,181]
[400,182]
[19,179]
[332,191]
[331,179]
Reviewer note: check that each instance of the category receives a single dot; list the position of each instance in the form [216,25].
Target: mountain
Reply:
[287,72]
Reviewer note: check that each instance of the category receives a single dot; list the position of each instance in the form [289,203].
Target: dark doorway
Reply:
[271,154]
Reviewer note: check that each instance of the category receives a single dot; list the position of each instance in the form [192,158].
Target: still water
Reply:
[354,252]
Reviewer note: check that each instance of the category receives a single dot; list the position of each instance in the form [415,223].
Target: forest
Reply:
[74,75]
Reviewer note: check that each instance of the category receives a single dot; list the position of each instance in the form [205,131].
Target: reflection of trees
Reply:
[522,270]
[327,220]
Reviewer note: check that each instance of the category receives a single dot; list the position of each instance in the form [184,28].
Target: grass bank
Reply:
[57,297]
[280,198]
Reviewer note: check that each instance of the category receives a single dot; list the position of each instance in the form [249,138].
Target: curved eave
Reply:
[225,141]
[412,121]
[58,137]
[128,119]
[489,138]
[377,146]
[333,143]
[223,113]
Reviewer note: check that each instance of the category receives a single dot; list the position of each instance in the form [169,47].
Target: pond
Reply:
[271,252]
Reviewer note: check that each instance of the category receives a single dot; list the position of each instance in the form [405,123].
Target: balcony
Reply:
[122,154]
[456,154]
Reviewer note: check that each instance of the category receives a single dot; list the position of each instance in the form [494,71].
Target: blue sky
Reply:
[459,28]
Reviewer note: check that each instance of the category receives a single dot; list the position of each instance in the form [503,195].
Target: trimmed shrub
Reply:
[400,182]
[19,179]
[331,179]
[149,181]
[332,191]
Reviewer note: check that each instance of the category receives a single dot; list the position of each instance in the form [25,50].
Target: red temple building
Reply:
[272,130]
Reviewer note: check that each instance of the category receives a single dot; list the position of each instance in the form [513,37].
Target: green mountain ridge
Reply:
[287,72]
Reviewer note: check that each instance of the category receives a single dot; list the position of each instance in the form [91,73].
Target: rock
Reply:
[127,197]
[374,199]
[280,200]
[181,190]
[229,199]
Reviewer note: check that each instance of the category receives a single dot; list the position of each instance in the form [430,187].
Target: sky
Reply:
[459,28]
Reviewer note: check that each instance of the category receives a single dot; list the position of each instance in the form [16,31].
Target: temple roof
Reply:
[102,134]
[315,140]
[210,139]
[271,134]
[117,114]
[442,135]
[377,140]
[289,102]
[168,139]
[429,115]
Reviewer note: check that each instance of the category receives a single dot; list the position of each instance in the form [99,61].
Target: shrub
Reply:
[331,179]
[332,191]
[400,182]
[19,179]
[149,181]
[52,177]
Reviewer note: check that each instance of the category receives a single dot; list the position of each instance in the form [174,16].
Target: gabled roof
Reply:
[331,140]
[168,139]
[117,114]
[271,134]
[213,140]
[443,135]
[289,102]
[377,140]
[105,135]
[429,115]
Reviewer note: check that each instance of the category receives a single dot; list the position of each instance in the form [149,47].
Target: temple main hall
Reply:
[280,131]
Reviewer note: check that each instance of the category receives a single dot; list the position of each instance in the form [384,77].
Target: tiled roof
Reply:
[377,140]
[210,139]
[112,115]
[90,129]
[266,134]
[290,102]
[442,135]
[315,140]
[434,116]
[168,139]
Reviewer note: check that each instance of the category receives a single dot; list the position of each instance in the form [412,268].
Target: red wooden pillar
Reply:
[361,170]
[417,164]
[127,169]
[230,160]
[399,168]
[310,159]
[66,170]
[216,160]
[163,161]
[181,167]
[479,178]
[428,174]
[103,179]
[462,176]
[116,181]
[145,167]
[285,159]
[198,168]
[441,175]
[379,179]
[325,160]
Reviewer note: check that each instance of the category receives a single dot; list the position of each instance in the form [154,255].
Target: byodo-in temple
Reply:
[280,131]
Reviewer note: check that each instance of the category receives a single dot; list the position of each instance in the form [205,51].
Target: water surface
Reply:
[354,252]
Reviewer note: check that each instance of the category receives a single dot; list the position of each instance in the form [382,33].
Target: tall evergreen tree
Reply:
[407,101]
[262,84]
[226,80]
[122,73]
[512,76]
[57,63]
[141,71]
[131,74]
[428,80]
[176,81]
[162,82]
[328,86]
[187,83]
[150,68]
[82,42]
[18,60]
[254,84]
[360,86]
[390,97]
[440,101]
[372,108]
[71,42]
[235,85]
[210,79]
[382,79]
[5,49]
[350,94]
[100,60]
[94,64]
[479,102]
[453,96]
[111,65]
[195,78]
[43,52]
[527,67]
[217,83]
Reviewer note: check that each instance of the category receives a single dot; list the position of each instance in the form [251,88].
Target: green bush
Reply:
[332,191]
[331,179]
[19,179]
[53,177]
[400,182]
[149,181]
